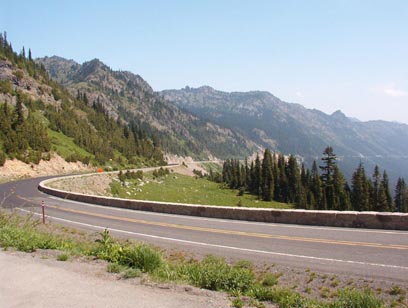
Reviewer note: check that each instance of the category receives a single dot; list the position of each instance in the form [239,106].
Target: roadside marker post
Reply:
[43,211]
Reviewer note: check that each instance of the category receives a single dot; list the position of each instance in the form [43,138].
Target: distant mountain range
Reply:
[204,122]
[129,97]
[293,129]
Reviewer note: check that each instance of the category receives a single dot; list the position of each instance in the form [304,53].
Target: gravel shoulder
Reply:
[38,280]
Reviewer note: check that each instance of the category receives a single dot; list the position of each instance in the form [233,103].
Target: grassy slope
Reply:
[65,146]
[185,189]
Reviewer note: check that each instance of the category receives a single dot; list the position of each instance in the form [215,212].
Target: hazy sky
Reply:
[329,55]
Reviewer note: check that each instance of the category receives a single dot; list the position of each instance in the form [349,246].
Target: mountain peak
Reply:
[338,114]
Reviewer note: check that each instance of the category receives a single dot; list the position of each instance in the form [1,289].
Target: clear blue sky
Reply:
[329,55]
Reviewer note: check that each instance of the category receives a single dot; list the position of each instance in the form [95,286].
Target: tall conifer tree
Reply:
[267,176]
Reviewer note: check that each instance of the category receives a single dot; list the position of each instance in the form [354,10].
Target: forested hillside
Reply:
[130,98]
[38,116]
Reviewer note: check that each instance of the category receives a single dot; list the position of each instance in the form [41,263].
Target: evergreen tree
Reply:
[401,196]
[316,189]
[276,178]
[283,181]
[293,176]
[18,113]
[341,199]
[2,158]
[267,177]
[257,177]
[388,205]
[360,193]
[328,168]
[329,164]
[247,175]
[375,193]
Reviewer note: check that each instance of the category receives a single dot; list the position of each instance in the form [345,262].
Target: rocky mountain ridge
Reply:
[129,97]
[204,121]
[293,129]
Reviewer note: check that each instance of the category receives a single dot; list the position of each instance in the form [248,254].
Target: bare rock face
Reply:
[19,79]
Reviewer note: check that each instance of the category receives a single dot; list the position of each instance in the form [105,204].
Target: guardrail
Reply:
[371,220]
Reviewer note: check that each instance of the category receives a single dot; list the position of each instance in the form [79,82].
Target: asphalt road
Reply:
[363,252]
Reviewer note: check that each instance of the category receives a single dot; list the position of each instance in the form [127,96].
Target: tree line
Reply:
[24,125]
[23,137]
[323,187]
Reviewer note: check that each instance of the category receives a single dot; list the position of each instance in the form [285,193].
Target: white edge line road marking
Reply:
[222,246]
[233,221]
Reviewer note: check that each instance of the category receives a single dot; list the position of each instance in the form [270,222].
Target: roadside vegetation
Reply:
[173,187]
[242,281]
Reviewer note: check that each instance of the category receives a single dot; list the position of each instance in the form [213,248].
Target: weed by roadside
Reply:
[214,273]
[62,257]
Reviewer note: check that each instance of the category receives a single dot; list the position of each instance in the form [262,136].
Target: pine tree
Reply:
[283,181]
[316,189]
[375,193]
[360,193]
[341,195]
[247,175]
[257,177]
[18,113]
[267,176]
[329,164]
[293,176]
[328,167]
[401,196]
[276,179]
[389,206]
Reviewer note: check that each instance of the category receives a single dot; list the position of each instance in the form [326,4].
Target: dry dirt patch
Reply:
[38,280]
[15,169]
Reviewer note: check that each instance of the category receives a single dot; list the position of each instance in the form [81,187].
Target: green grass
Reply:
[131,259]
[63,257]
[212,166]
[114,268]
[185,189]
[65,146]
[27,234]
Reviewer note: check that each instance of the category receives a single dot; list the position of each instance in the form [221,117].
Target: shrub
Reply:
[6,87]
[141,256]
[356,299]
[396,290]
[214,273]
[237,302]
[270,280]
[114,268]
[62,257]
[2,158]
[285,298]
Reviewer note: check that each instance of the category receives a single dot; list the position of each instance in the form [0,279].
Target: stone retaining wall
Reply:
[372,220]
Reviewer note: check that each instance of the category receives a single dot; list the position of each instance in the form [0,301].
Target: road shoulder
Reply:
[38,280]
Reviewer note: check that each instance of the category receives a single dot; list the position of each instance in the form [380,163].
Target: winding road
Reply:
[369,253]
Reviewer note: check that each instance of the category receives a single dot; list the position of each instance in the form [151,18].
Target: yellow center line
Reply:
[233,232]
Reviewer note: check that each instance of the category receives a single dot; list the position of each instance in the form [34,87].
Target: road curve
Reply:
[363,252]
